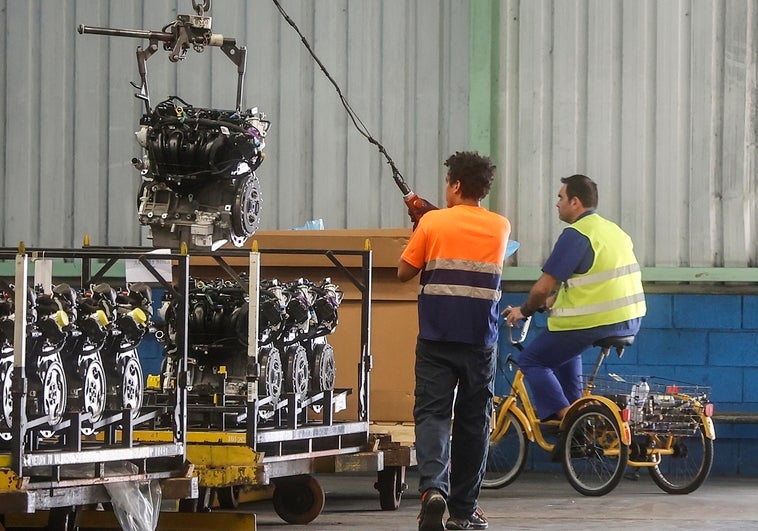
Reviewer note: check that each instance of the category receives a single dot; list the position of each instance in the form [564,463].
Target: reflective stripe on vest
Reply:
[457,290]
[464,265]
[599,307]
[602,276]
[462,290]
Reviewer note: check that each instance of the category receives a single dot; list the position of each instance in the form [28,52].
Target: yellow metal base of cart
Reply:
[168,521]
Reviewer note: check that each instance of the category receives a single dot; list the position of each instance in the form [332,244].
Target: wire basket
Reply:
[671,407]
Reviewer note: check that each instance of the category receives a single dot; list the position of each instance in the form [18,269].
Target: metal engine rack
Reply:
[229,446]
[54,461]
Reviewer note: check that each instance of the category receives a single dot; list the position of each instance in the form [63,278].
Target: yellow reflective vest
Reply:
[610,291]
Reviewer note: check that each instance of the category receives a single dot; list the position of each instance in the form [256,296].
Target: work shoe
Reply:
[475,521]
[433,508]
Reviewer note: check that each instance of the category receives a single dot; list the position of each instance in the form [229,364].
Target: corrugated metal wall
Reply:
[70,114]
[655,100]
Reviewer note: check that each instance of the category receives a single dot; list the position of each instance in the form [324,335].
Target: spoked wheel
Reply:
[323,370]
[271,367]
[247,209]
[94,393]
[132,386]
[390,483]
[54,391]
[298,499]
[687,466]
[6,400]
[297,372]
[506,456]
[594,459]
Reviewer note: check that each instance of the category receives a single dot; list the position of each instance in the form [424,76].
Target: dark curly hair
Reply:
[474,171]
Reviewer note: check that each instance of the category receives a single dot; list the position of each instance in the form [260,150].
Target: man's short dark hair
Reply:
[583,188]
[473,171]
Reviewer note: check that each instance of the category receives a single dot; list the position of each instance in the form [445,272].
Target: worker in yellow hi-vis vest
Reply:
[592,288]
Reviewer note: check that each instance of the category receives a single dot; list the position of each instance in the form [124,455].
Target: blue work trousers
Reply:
[552,364]
[454,465]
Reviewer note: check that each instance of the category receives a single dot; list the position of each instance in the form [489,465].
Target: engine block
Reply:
[198,171]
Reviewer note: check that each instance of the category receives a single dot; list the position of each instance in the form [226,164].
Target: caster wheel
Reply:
[298,499]
[228,497]
[391,485]
[196,505]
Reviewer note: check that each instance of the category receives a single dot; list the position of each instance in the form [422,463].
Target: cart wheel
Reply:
[61,519]
[391,485]
[188,505]
[228,497]
[196,505]
[298,499]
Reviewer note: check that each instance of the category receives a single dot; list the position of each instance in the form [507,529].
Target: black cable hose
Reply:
[357,122]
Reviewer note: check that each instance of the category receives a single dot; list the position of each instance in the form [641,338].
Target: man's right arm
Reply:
[406,271]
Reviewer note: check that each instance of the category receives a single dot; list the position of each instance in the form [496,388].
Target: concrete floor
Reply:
[540,501]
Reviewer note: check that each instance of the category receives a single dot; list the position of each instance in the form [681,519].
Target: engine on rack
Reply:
[293,356]
[81,353]
[198,171]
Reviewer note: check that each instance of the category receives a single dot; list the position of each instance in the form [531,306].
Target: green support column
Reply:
[484,17]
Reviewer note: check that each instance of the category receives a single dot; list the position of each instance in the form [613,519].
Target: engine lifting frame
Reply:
[74,470]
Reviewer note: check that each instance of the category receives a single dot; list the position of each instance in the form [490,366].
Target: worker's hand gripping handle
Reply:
[417,207]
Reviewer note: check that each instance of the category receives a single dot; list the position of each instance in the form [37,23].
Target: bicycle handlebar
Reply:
[524,331]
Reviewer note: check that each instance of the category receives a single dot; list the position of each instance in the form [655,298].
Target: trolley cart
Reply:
[49,459]
[298,436]
[300,433]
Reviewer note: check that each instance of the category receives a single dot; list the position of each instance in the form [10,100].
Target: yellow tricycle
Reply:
[669,431]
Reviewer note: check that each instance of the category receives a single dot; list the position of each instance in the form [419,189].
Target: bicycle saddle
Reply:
[614,341]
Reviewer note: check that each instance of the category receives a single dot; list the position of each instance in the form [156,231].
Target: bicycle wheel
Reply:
[594,459]
[688,467]
[506,456]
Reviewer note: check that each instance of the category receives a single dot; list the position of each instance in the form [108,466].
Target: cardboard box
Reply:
[394,321]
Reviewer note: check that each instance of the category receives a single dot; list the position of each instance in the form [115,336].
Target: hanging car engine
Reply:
[198,170]
[199,185]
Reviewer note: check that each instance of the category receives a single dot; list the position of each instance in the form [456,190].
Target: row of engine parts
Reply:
[294,356]
[81,353]
[198,174]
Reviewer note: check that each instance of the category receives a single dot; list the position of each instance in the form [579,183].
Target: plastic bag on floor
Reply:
[136,504]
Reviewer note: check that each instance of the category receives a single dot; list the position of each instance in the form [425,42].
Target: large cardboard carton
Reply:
[393,323]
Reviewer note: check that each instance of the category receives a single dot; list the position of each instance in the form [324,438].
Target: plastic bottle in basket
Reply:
[640,392]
